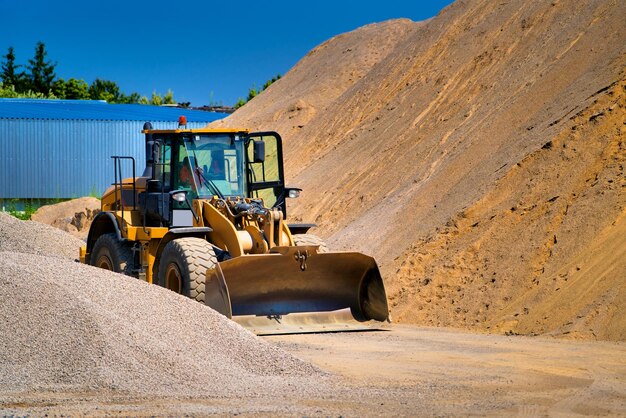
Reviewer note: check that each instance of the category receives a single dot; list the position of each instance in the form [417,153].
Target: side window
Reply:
[268,195]
[163,166]
[265,178]
[266,171]
[232,176]
[183,178]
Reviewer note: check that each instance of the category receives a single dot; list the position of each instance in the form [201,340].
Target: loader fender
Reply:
[103,223]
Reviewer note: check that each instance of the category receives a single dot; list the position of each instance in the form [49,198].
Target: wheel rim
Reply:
[104,262]
[173,278]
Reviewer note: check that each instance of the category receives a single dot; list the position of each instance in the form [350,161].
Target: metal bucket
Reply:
[296,289]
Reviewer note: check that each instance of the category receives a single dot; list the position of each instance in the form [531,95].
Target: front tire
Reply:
[110,254]
[183,266]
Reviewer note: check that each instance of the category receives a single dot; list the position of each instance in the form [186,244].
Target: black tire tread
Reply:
[195,256]
[121,253]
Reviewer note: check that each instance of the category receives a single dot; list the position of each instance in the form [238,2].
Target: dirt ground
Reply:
[405,371]
[434,371]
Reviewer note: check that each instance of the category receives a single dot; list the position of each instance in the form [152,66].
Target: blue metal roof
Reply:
[62,148]
[98,110]
[48,159]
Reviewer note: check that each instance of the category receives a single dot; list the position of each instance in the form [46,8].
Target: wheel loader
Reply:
[207,219]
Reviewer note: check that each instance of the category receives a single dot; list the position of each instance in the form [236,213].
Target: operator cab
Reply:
[189,164]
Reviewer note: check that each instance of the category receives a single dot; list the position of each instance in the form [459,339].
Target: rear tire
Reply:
[310,239]
[183,266]
[110,254]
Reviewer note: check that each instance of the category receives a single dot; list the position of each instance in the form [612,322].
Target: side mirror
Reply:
[259,151]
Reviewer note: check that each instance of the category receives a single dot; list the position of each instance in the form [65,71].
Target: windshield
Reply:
[211,164]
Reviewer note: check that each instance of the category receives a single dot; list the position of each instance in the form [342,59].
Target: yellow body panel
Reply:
[109,198]
[137,233]
[224,234]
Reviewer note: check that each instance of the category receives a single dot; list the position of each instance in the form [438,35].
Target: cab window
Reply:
[265,177]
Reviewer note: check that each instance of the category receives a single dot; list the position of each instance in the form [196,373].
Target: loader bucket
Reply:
[297,290]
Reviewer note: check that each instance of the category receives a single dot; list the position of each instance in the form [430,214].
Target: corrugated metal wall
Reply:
[49,159]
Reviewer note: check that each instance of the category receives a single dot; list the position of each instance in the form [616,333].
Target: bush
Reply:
[24,215]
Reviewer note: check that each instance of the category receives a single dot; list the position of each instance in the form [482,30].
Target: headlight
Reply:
[293,193]
[179,196]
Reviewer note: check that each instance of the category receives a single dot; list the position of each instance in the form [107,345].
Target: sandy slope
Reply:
[543,252]
[449,121]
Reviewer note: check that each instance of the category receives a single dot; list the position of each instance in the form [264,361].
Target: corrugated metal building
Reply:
[58,149]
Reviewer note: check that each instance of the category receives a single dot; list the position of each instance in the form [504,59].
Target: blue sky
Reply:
[204,51]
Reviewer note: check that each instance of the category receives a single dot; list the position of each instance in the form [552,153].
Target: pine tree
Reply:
[10,76]
[41,71]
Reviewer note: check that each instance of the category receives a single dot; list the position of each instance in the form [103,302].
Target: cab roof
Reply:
[196,131]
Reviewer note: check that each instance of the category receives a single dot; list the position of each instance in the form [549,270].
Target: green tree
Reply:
[10,75]
[58,88]
[40,82]
[41,72]
[270,82]
[169,97]
[133,98]
[104,90]
[253,92]
[76,89]
[240,102]
[156,99]
[9,92]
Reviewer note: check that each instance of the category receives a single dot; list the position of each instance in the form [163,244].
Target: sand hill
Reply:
[73,216]
[479,156]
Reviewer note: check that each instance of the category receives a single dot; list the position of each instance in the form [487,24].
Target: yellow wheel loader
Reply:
[207,220]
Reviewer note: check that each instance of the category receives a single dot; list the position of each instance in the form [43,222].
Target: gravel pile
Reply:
[71,327]
[36,238]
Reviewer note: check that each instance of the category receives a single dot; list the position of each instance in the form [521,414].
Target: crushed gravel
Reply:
[32,237]
[72,328]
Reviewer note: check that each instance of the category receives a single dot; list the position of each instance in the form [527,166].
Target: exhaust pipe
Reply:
[149,154]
